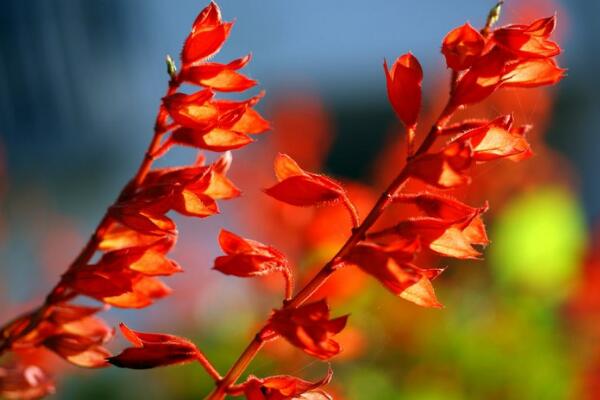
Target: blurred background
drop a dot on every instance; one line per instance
(80, 82)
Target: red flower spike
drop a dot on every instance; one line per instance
(528, 41)
(404, 88)
(282, 387)
(207, 36)
(221, 77)
(462, 46)
(300, 188)
(392, 266)
(309, 328)
(445, 169)
(153, 350)
(24, 383)
(496, 140)
(247, 258)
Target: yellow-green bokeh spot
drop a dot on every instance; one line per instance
(538, 240)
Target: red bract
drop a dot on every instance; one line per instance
(481, 80)
(246, 258)
(448, 238)
(194, 111)
(462, 46)
(73, 333)
(208, 34)
(392, 266)
(309, 328)
(404, 87)
(285, 387)
(446, 169)
(449, 209)
(300, 188)
(513, 56)
(533, 73)
(153, 350)
(528, 40)
(497, 139)
(221, 77)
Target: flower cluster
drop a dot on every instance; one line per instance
(136, 234)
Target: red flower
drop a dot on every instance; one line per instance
(153, 350)
(24, 382)
(497, 139)
(517, 56)
(309, 328)
(73, 333)
(392, 266)
(404, 88)
(221, 77)
(246, 258)
(446, 169)
(528, 41)
(300, 188)
(208, 34)
(462, 46)
(282, 387)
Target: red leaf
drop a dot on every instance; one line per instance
(300, 188)
(462, 46)
(309, 328)
(153, 350)
(404, 87)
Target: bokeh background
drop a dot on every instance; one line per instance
(80, 83)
